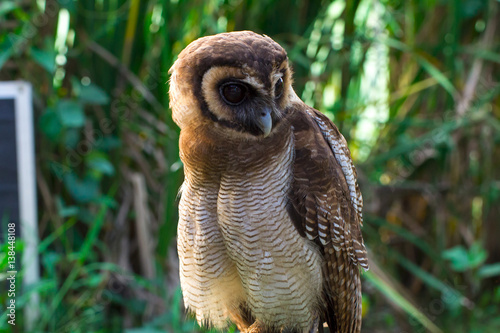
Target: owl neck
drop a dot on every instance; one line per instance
(207, 155)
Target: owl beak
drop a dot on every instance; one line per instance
(265, 122)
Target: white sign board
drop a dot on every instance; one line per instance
(18, 206)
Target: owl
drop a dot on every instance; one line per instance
(270, 210)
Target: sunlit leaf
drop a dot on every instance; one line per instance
(99, 162)
(489, 270)
(462, 259)
(458, 258)
(7, 6)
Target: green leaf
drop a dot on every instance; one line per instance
(50, 124)
(438, 76)
(82, 190)
(110, 142)
(462, 260)
(44, 59)
(5, 53)
(58, 169)
(143, 330)
(108, 201)
(70, 113)
(458, 258)
(72, 137)
(99, 162)
(65, 211)
(91, 281)
(471, 8)
(71, 6)
(426, 65)
(451, 296)
(92, 94)
(17, 42)
(50, 261)
(90, 240)
(7, 6)
(477, 255)
(481, 53)
(396, 297)
(489, 270)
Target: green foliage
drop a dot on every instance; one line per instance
(462, 260)
(412, 85)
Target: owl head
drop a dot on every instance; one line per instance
(239, 83)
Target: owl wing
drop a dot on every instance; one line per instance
(326, 207)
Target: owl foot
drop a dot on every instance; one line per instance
(256, 327)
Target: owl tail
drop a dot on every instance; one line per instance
(343, 297)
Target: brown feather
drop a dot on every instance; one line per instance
(321, 196)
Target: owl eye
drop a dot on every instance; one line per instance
(233, 93)
(278, 88)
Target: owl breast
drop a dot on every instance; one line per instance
(279, 270)
(238, 245)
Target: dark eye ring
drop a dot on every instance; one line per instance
(278, 88)
(233, 93)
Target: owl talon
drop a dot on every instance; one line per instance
(256, 327)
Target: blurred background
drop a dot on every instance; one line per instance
(413, 85)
